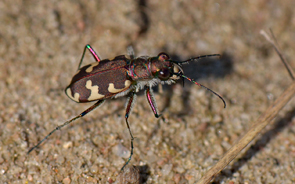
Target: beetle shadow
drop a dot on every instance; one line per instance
(145, 20)
(209, 67)
(134, 174)
(259, 145)
(144, 173)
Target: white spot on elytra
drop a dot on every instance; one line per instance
(94, 95)
(90, 68)
(75, 97)
(112, 88)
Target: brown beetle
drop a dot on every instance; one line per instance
(123, 76)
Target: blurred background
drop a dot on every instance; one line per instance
(41, 43)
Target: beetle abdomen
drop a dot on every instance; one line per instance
(99, 80)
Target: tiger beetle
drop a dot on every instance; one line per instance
(123, 76)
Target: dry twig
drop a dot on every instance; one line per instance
(258, 126)
(291, 72)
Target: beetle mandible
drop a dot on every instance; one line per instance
(122, 76)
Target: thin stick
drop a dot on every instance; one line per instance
(290, 71)
(262, 121)
(259, 125)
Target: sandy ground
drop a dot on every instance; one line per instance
(41, 43)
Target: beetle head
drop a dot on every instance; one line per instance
(176, 72)
(163, 68)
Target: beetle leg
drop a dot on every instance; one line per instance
(91, 50)
(128, 110)
(130, 52)
(98, 103)
(152, 102)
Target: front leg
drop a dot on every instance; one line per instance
(152, 102)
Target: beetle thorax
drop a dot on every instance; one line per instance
(140, 69)
(148, 71)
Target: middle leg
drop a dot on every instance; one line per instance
(130, 103)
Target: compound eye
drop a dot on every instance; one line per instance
(164, 74)
(163, 56)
